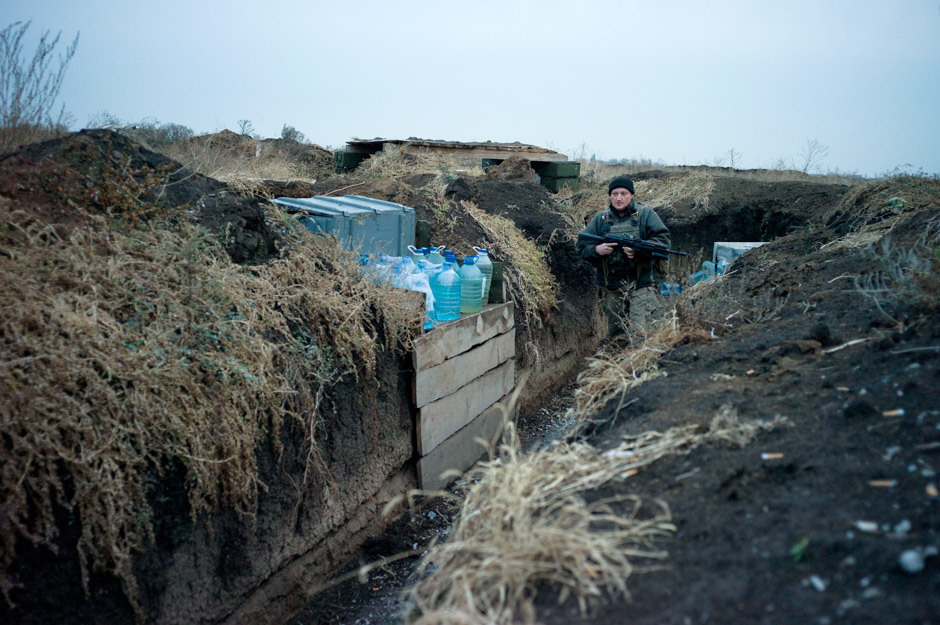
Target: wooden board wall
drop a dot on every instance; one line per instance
(462, 370)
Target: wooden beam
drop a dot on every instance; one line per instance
(439, 419)
(445, 378)
(455, 337)
(461, 450)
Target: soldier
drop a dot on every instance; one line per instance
(629, 281)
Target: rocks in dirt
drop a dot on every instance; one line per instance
(822, 333)
(914, 560)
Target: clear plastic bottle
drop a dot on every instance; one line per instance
(486, 268)
(445, 285)
(471, 286)
(434, 255)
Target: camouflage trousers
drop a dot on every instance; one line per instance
(628, 310)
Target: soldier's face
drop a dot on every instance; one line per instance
(620, 199)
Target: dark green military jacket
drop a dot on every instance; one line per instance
(616, 271)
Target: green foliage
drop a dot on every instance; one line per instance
(289, 132)
(798, 550)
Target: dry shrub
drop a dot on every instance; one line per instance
(527, 276)
(611, 375)
(869, 211)
(906, 275)
(133, 349)
(527, 526)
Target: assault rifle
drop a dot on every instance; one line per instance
(645, 248)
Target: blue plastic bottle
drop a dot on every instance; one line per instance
(486, 268)
(446, 288)
(471, 286)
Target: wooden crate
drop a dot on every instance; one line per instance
(464, 375)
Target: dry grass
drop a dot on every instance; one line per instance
(228, 163)
(131, 349)
(397, 161)
(525, 522)
(695, 186)
(527, 526)
(599, 172)
(527, 276)
(611, 375)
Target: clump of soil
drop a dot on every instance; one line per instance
(109, 172)
(513, 169)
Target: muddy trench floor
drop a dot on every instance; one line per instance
(378, 600)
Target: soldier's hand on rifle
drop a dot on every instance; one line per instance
(629, 252)
(605, 249)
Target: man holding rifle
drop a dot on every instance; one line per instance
(628, 272)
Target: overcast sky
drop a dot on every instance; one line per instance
(680, 82)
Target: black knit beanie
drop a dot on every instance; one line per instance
(620, 181)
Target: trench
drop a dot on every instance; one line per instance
(229, 570)
(379, 599)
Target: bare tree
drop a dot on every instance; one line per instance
(245, 128)
(733, 156)
(29, 88)
(813, 155)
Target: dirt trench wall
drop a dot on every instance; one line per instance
(257, 572)
(241, 569)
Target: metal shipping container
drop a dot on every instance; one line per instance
(365, 224)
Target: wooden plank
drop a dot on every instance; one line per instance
(461, 450)
(455, 337)
(447, 377)
(441, 418)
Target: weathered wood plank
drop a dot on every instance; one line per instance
(441, 418)
(461, 450)
(456, 337)
(445, 378)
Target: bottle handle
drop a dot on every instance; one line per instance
(412, 249)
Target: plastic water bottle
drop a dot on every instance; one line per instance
(471, 286)
(445, 285)
(709, 268)
(486, 268)
(722, 267)
(434, 255)
(670, 288)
